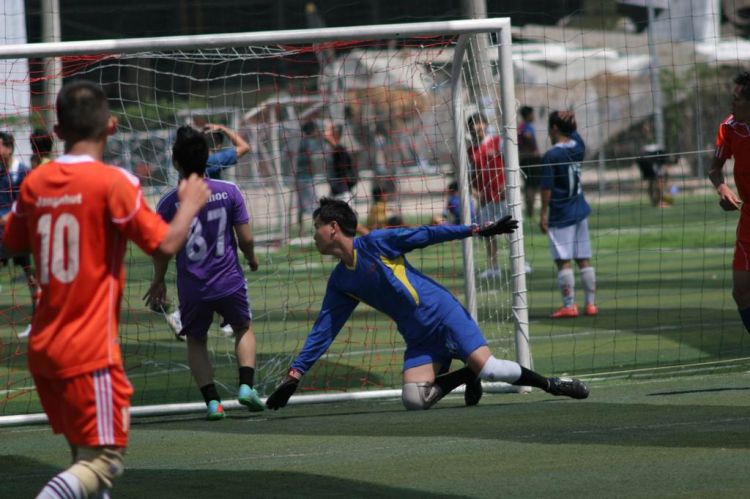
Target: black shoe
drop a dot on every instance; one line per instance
(473, 393)
(569, 387)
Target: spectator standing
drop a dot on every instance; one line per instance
(341, 168)
(529, 158)
(488, 179)
(221, 159)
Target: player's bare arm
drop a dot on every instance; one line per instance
(193, 194)
(728, 200)
(246, 244)
(544, 215)
(240, 146)
(157, 292)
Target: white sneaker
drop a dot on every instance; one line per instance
(175, 323)
(228, 331)
(25, 333)
(490, 273)
(528, 269)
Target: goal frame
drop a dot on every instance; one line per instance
(464, 30)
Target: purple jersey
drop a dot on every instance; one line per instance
(207, 266)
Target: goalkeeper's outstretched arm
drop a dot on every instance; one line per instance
(406, 240)
(337, 307)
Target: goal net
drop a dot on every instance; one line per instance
(392, 101)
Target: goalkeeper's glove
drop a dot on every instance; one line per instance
(505, 225)
(280, 396)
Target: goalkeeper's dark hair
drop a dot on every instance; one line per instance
(190, 151)
(331, 210)
(564, 121)
(82, 111)
(743, 81)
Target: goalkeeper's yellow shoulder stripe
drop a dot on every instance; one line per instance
(399, 270)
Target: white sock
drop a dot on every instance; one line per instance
(588, 278)
(500, 370)
(567, 282)
(62, 486)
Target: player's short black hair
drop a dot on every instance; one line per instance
(743, 81)
(8, 141)
(565, 121)
(41, 142)
(474, 119)
(190, 151)
(526, 111)
(453, 186)
(82, 111)
(336, 210)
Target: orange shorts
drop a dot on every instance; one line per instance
(92, 409)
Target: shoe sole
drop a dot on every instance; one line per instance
(216, 417)
(253, 405)
(473, 396)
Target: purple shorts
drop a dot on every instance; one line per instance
(197, 316)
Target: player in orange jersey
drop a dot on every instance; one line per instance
(734, 140)
(76, 214)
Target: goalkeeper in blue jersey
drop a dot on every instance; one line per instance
(434, 325)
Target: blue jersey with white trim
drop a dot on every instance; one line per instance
(562, 174)
(382, 278)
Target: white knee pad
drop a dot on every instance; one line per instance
(420, 396)
(500, 370)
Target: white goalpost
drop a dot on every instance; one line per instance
(402, 95)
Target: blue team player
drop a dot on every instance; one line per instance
(209, 274)
(436, 328)
(565, 211)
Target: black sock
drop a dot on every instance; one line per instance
(246, 376)
(530, 378)
(449, 382)
(210, 393)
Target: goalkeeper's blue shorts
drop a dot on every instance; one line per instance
(456, 338)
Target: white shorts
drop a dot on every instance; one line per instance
(492, 212)
(571, 242)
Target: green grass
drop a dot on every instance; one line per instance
(663, 438)
(664, 294)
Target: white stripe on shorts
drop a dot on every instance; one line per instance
(104, 415)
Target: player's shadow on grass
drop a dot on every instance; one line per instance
(687, 392)
(22, 476)
(181, 483)
(553, 421)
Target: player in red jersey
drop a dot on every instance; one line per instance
(488, 178)
(76, 214)
(733, 139)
